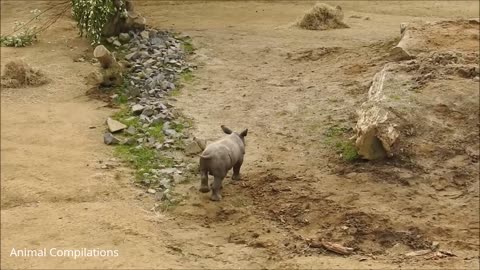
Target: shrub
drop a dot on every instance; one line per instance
(93, 15)
(24, 38)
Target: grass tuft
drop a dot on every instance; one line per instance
(336, 137)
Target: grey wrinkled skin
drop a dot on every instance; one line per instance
(219, 157)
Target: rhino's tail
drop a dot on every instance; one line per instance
(205, 156)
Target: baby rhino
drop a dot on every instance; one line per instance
(219, 157)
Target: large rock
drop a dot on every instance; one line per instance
(421, 37)
(377, 126)
(426, 105)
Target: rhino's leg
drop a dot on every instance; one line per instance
(236, 170)
(216, 187)
(204, 182)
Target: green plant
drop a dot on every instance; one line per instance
(24, 38)
(335, 137)
(122, 93)
(187, 45)
(93, 15)
(347, 150)
(156, 131)
(186, 76)
(141, 158)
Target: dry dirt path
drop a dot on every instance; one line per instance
(256, 72)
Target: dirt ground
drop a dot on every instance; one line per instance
(255, 70)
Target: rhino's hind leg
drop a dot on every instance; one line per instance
(216, 187)
(204, 182)
(236, 170)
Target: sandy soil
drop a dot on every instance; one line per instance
(255, 71)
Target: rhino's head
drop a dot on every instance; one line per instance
(241, 135)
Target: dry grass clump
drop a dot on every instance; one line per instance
(323, 17)
(18, 74)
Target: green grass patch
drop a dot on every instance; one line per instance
(187, 45)
(336, 137)
(125, 116)
(142, 159)
(348, 150)
(186, 76)
(122, 92)
(178, 126)
(157, 132)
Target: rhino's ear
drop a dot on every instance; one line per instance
(244, 133)
(226, 130)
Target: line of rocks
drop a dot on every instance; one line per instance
(154, 60)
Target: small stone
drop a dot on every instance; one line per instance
(109, 139)
(149, 62)
(151, 191)
(157, 119)
(132, 56)
(164, 85)
(476, 79)
(145, 34)
(170, 141)
(137, 109)
(131, 130)
(156, 41)
(148, 112)
(114, 125)
(418, 253)
(170, 133)
(143, 55)
(168, 170)
(165, 183)
(130, 141)
(80, 59)
(124, 37)
(202, 143)
(117, 43)
(166, 195)
(148, 71)
(151, 140)
(141, 75)
(177, 178)
(111, 40)
(192, 148)
(166, 146)
(191, 167)
(144, 119)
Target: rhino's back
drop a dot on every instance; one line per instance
(225, 148)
